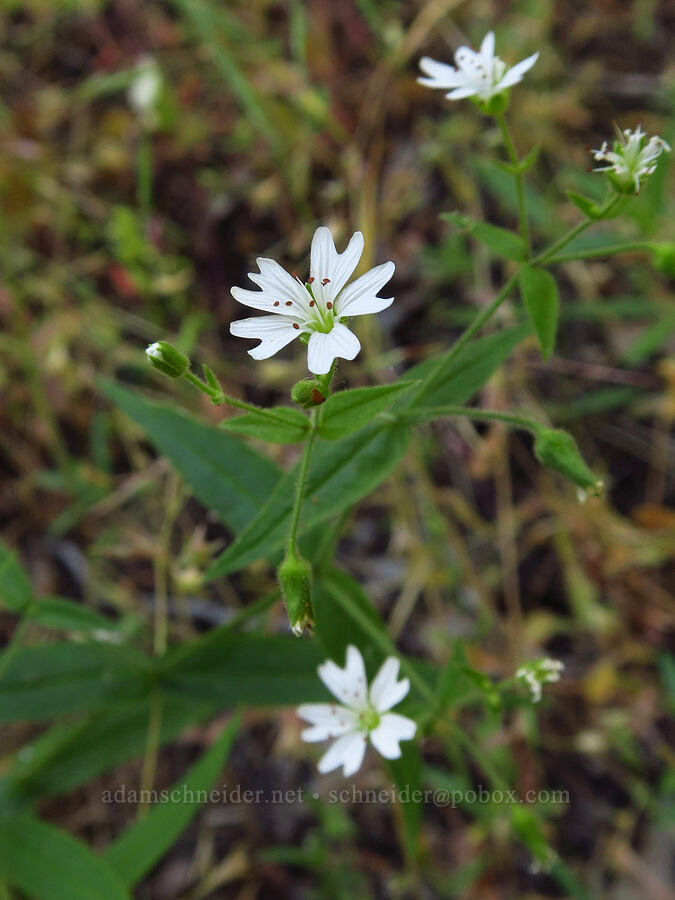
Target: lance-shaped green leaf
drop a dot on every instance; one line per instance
(142, 845)
(68, 755)
(340, 474)
(47, 864)
(54, 679)
(65, 615)
(280, 425)
(499, 240)
(16, 593)
(233, 669)
(349, 411)
(459, 379)
(539, 291)
(226, 475)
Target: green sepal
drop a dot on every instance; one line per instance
(295, 581)
(556, 449)
(167, 360)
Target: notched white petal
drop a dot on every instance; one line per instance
(323, 348)
(360, 297)
(347, 751)
(388, 734)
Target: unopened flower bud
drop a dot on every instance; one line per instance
(295, 581)
(557, 449)
(306, 393)
(167, 359)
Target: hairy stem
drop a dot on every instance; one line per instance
(300, 487)
(518, 178)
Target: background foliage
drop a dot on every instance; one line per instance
(278, 117)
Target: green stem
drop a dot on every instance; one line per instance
(464, 339)
(480, 757)
(551, 251)
(300, 487)
(382, 638)
(439, 412)
(14, 643)
(518, 178)
(218, 397)
(596, 252)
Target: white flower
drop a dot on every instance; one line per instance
(479, 74)
(316, 308)
(632, 157)
(362, 713)
(145, 89)
(542, 671)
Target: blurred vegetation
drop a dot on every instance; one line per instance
(277, 117)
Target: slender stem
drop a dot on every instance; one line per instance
(518, 178)
(382, 638)
(551, 251)
(439, 412)
(481, 758)
(300, 487)
(596, 252)
(219, 398)
(464, 338)
(14, 643)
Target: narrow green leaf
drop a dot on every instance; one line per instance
(57, 612)
(334, 628)
(499, 240)
(55, 679)
(407, 774)
(67, 755)
(226, 475)
(48, 864)
(587, 206)
(233, 669)
(288, 426)
(539, 291)
(16, 592)
(340, 474)
(459, 380)
(349, 411)
(142, 845)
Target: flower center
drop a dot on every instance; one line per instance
(369, 719)
(321, 316)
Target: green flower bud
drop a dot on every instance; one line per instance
(556, 449)
(493, 106)
(306, 393)
(295, 581)
(167, 359)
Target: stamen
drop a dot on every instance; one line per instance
(296, 326)
(325, 281)
(329, 305)
(311, 303)
(310, 280)
(276, 302)
(289, 303)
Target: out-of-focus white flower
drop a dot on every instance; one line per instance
(362, 714)
(631, 158)
(481, 75)
(145, 90)
(317, 307)
(540, 672)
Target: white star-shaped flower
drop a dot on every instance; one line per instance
(632, 157)
(316, 308)
(538, 673)
(145, 90)
(362, 714)
(479, 74)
